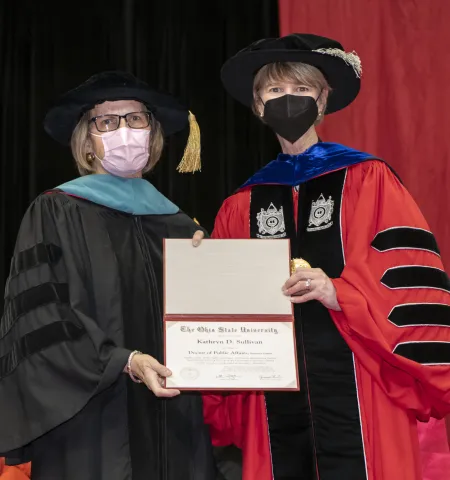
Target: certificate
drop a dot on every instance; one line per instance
(227, 324)
(242, 355)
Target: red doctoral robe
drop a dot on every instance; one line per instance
(395, 319)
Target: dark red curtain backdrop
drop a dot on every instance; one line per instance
(403, 111)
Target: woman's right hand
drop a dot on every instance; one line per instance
(152, 373)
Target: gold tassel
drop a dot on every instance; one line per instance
(191, 161)
(196, 221)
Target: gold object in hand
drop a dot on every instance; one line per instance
(298, 263)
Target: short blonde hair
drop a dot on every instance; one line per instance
(80, 139)
(294, 72)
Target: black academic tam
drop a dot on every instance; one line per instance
(86, 289)
(341, 69)
(63, 117)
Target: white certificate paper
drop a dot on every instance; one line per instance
(231, 355)
(227, 324)
(226, 277)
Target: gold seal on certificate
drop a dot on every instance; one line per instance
(298, 263)
(227, 324)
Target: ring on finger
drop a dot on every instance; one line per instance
(308, 284)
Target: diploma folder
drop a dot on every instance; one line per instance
(227, 324)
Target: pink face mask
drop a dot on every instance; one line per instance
(126, 151)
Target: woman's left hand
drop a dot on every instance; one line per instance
(197, 238)
(308, 284)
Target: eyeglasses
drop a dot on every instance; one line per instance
(109, 123)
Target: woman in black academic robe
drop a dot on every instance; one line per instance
(84, 298)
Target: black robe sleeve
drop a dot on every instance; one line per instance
(54, 357)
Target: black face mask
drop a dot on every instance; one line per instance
(291, 116)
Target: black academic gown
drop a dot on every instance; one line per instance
(86, 289)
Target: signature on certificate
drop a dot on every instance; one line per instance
(228, 376)
(270, 377)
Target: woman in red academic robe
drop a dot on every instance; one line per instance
(372, 314)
